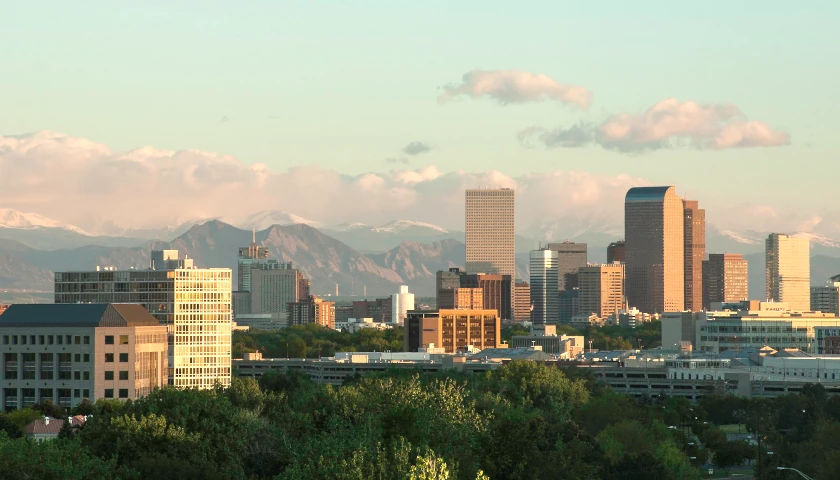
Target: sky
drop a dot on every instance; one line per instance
(734, 103)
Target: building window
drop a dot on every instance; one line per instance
(87, 358)
(109, 339)
(109, 358)
(123, 374)
(76, 393)
(5, 339)
(32, 339)
(109, 375)
(60, 339)
(87, 340)
(85, 375)
(77, 358)
(23, 339)
(50, 339)
(68, 339)
(77, 375)
(123, 393)
(123, 357)
(40, 339)
(109, 393)
(123, 339)
(86, 393)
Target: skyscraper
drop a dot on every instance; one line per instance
(788, 271)
(266, 285)
(497, 291)
(521, 301)
(571, 256)
(445, 284)
(544, 286)
(195, 304)
(654, 243)
(725, 279)
(489, 231)
(694, 226)
(615, 252)
(601, 289)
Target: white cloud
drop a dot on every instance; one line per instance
(84, 183)
(667, 124)
(515, 86)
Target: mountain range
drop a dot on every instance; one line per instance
(353, 257)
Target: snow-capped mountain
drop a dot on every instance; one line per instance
(402, 226)
(28, 221)
(267, 218)
(350, 227)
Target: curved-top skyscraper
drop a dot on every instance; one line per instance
(654, 249)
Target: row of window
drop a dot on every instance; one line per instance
(123, 375)
(109, 358)
(45, 375)
(109, 339)
(109, 393)
(46, 340)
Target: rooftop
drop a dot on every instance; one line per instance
(77, 315)
(646, 194)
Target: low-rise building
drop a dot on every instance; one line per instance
(68, 352)
(452, 330)
(545, 337)
(48, 428)
(353, 325)
(262, 321)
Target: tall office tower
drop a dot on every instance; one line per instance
(725, 279)
(568, 305)
(655, 262)
(489, 231)
(694, 227)
(311, 310)
(571, 256)
(615, 252)
(521, 302)
(401, 303)
(601, 289)
(544, 286)
(248, 257)
(826, 298)
(788, 271)
(445, 283)
(497, 291)
(194, 303)
(266, 286)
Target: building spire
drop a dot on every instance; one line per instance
(254, 235)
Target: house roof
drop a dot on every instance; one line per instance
(77, 315)
(53, 426)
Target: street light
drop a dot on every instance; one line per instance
(806, 477)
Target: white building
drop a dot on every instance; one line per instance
(545, 285)
(788, 271)
(401, 303)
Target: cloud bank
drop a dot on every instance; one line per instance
(85, 183)
(515, 86)
(668, 124)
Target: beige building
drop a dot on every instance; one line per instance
(489, 231)
(601, 289)
(521, 301)
(694, 228)
(467, 298)
(194, 303)
(66, 353)
(788, 271)
(452, 330)
(654, 249)
(725, 279)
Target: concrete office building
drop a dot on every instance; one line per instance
(725, 279)
(379, 309)
(489, 231)
(568, 305)
(496, 291)
(788, 271)
(654, 238)
(826, 298)
(615, 252)
(401, 303)
(266, 286)
(312, 310)
(694, 227)
(545, 336)
(467, 299)
(521, 302)
(452, 330)
(544, 286)
(571, 256)
(194, 303)
(601, 289)
(66, 353)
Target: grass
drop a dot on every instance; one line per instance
(732, 428)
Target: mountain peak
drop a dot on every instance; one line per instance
(25, 221)
(267, 218)
(399, 226)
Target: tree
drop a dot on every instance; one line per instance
(429, 467)
(731, 454)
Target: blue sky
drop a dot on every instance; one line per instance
(345, 85)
